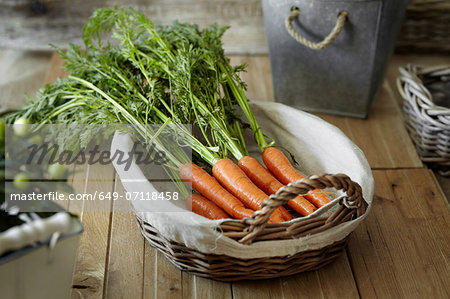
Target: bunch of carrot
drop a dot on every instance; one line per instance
(237, 191)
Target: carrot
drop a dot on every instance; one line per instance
(283, 170)
(239, 184)
(204, 207)
(270, 185)
(212, 190)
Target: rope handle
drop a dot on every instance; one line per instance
(353, 200)
(295, 12)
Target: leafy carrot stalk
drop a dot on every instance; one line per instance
(270, 185)
(239, 184)
(204, 207)
(212, 190)
(283, 170)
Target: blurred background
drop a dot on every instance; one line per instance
(28, 27)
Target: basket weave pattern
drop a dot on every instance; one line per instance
(427, 123)
(256, 229)
(425, 28)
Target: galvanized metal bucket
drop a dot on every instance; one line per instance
(330, 56)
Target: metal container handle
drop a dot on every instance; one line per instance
(295, 12)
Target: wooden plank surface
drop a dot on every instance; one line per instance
(198, 288)
(262, 289)
(315, 284)
(382, 132)
(168, 279)
(150, 274)
(400, 251)
(93, 250)
(126, 251)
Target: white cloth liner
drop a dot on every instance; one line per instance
(318, 147)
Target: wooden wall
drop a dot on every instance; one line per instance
(33, 24)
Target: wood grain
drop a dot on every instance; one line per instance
(126, 251)
(168, 282)
(316, 284)
(150, 274)
(338, 271)
(93, 251)
(161, 278)
(35, 25)
(258, 76)
(382, 137)
(322, 283)
(401, 250)
(198, 288)
(260, 289)
(55, 69)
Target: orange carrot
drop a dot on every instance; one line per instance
(283, 170)
(270, 185)
(212, 190)
(204, 207)
(239, 184)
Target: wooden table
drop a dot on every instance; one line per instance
(400, 251)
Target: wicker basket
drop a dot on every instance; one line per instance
(425, 28)
(255, 229)
(426, 94)
(231, 249)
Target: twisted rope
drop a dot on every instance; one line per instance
(342, 17)
(353, 200)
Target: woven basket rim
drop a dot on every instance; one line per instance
(347, 207)
(222, 267)
(427, 123)
(412, 71)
